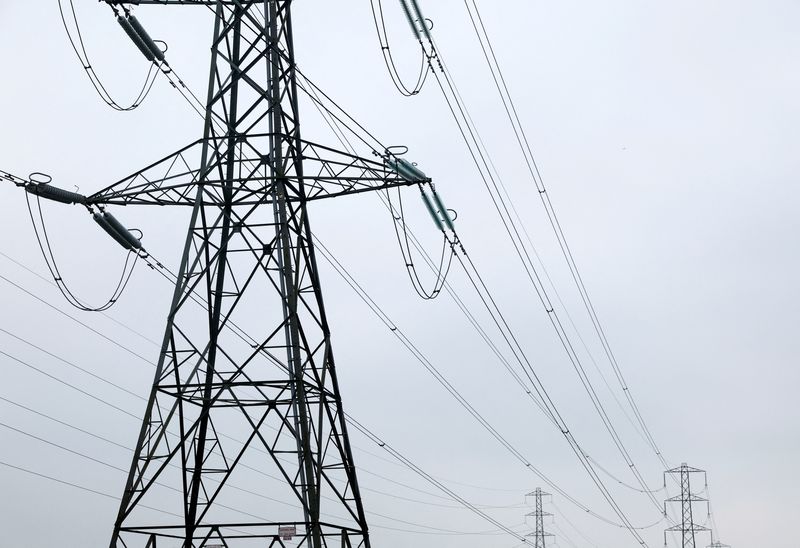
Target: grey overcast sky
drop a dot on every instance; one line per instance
(667, 134)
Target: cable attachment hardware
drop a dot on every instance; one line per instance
(116, 230)
(431, 209)
(11, 178)
(410, 18)
(443, 211)
(44, 189)
(439, 213)
(406, 170)
(136, 32)
(422, 21)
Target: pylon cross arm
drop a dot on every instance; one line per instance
(691, 527)
(689, 498)
(183, 2)
(174, 181)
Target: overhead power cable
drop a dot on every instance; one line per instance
(114, 467)
(43, 239)
(623, 483)
(468, 132)
(56, 309)
(76, 41)
(401, 233)
(551, 410)
(522, 139)
(524, 386)
(100, 377)
(388, 57)
(50, 281)
(516, 352)
(430, 479)
(425, 362)
(105, 402)
(117, 386)
(589, 542)
(76, 486)
(712, 514)
(338, 119)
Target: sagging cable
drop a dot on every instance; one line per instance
(445, 259)
(123, 236)
(411, 173)
(386, 51)
(72, 28)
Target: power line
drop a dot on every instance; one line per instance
(109, 441)
(388, 58)
(515, 351)
(522, 140)
(398, 333)
(359, 290)
(93, 330)
(75, 485)
(430, 479)
(337, 265)
(290, 52)
(43, 239)
(468, 134)
(80, 51)
(124, 411)
(314, 90)
(116, 386)
(344, 274)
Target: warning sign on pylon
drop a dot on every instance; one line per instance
(286, 532)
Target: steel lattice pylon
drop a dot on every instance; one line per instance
(539, 534)
(247, 382)
(687, 527)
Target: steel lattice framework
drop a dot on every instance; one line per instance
(687, 527)
(256, 359)
(539, 534)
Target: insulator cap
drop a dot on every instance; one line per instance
(51, 192)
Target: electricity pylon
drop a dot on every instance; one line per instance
(687, 527)
(539, 534)
(245, 401)
(718, 544)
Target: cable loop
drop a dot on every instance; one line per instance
(40, 178)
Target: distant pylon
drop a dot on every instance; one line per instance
(687, 527)
(718, 544)
(539, 534)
